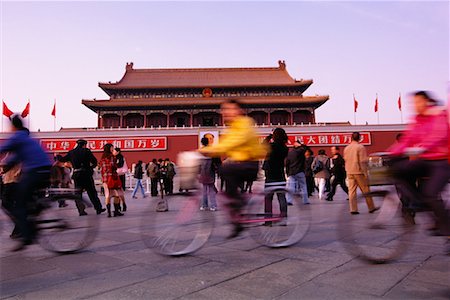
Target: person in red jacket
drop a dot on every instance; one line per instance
(426, 142)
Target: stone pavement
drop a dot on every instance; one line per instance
(119, 266)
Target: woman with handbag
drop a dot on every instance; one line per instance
(111, 181)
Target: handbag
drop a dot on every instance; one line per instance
(124, 169)
(114, 182)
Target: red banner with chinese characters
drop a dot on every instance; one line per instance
(96, 144)
(327, 139)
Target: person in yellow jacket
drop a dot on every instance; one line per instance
(241, 145)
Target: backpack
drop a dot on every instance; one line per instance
(317, 166)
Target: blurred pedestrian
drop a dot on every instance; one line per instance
(337, 170)
(83, 163)
(138, 175)
(321, 170)
(153, 173)
(356, 160)
(309, 158)
(274, 171)
(111, 181)
(207, 178)
(170, 174)
(122, 167)
(295, 170)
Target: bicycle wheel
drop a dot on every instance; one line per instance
(61, 228)
(271, 229)
(378, 237)
(182, 230)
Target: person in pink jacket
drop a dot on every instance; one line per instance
(425, 141)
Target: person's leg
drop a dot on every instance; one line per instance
(332, 192)
(116, 194)
(268, 210)
(204, 203)
(79, 184)
(322, 183)
(291, 186)
(283, 204)
(363, 185)
(136, 185)
(212, 191)
(352, 193)
(122, 179)
(343, 184)
(439, 175)
(142, 188)
(303, 189)
(92, 193)
(107, 199)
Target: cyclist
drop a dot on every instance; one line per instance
(240, 144)
(428, 137)
(35, 174)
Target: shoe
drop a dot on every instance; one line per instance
(134, 197)
(117, 212)
(307, 203)
(329, 199)
(203, 208)
(354, 213)
(213, 208)
(108, 207)
(83, 213)
(101, 210)
(124, 207)
(22, 245)
(373, 210)
(236, 231)
(290, 204)
(283, 222)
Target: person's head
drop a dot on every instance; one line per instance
(160, 160)
(154, 161)
(107, 150)
(308, 153)
(167, 160)
(204, 142)
(139, 162)
(334, 150)
(210, 138)
(81, 143)
(230, 110)
(422, 101)
(116, 151)
(17, 123)
(297, 144)
(398, 137)
(280, 136)
(356, 136)
(321, 152)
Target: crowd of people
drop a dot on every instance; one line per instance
(27, 168)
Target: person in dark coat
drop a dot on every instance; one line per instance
(337, 170)
(83, 162)
(309, 158)
(138, 174)
(295, 170)
(274, 170)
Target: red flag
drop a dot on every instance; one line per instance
(54, 110)
(376, 105)
(355, 103)
(399, 103)
(26, 111)
(6, 111)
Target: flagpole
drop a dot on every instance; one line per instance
(378, 111)
(29, 116)
(3, 104)
(401, 109)
(354, 110)
(54, 117)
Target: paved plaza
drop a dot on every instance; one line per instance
(119, 266)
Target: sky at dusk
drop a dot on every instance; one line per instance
(61, 50)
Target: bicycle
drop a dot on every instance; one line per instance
(382, 236)
(59, 227)
(185, 228)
